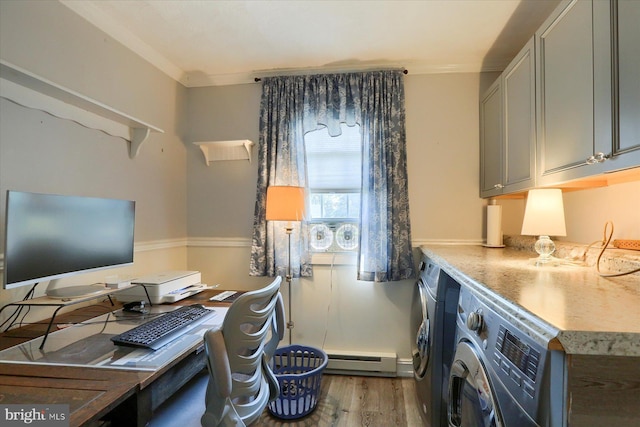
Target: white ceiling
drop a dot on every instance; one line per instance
(211, 42)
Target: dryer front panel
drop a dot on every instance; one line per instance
(471, 399)
(477, 397)
(420, 330)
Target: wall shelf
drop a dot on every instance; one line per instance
(32, 91)
(225, 150)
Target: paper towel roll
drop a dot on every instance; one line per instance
(494, 225)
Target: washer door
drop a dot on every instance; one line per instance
(420, 330)
(471, 399)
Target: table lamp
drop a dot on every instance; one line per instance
(544, 217)
(286, 203)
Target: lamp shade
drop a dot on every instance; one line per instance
(544, 213)
(285, 203)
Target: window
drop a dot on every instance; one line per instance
(333, 205)
(307, 102)
(334, 166)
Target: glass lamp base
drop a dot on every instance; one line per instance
(545, 248)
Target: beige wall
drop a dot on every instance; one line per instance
(443, 149)
(587, 211)
(41, 153)
(221, 195)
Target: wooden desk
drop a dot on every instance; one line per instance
(95, 393)
(90, 393)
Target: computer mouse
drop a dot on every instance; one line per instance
(139, 307)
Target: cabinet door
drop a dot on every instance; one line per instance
(566, 94)
(518, 88)
(626, 84)
(491, 141)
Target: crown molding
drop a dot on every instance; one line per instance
(202, 80)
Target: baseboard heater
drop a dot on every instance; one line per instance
(361, 363)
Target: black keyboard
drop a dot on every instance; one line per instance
(164, 329)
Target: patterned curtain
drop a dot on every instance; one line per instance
(281, 162)
(294, 105)
(385, 228)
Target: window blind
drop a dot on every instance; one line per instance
(334, 163)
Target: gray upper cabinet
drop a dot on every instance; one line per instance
(518, 88)
(588, 90)
(507, 128)
(565, 86)
(568, 106)
(491, 141)
(625, 30)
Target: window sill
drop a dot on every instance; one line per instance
(334, 258)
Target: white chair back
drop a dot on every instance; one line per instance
(241, 382)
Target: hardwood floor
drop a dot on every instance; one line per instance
(352, 401)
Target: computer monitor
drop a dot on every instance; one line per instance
(50, 236)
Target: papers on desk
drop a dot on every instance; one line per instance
(226, 296)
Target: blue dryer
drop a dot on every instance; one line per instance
(435, 297)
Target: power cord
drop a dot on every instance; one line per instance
(326, 325)
(604, 244)
(13, 317)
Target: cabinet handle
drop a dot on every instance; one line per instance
(597, 158)
(498, 186)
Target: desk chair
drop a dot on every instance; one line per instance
(238, 354)
(239, 382)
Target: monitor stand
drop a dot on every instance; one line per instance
(70, 292)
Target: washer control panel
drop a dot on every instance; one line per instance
(517, 359)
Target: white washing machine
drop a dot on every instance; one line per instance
(435, 297)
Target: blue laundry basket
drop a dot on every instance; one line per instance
(299, 373)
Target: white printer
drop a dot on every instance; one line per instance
(165, 287)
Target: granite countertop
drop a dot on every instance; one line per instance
(569, 307)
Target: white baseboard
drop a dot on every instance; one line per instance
(404, 368)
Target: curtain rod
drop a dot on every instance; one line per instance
(259, 79)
